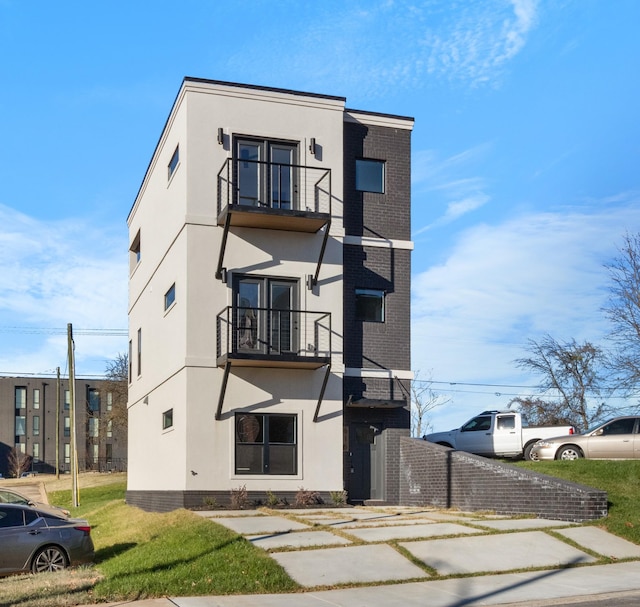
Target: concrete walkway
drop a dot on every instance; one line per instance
(425, 557)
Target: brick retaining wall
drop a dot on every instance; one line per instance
(438, 476)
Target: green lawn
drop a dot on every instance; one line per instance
(141, 554)
(621, 481)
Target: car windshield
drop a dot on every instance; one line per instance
(599, 425)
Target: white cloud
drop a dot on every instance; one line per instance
(54, 273)
(449, 178)
(504, 284)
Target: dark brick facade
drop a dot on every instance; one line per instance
(437, 476)
(41, 404)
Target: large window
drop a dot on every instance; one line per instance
(370, 305)
(20, 397)
(266, 444)
(93, 400)
(370, 176)
(265, 315)
(266, 173)
(21, 425)
(94, 427)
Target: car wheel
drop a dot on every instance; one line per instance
(49, 558)
(569, 452)
(528, 456)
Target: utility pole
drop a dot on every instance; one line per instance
(58, 423)
(72, 405)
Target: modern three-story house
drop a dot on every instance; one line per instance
(269, 300)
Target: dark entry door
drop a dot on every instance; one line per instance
(366, 480)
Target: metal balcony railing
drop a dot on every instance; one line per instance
(272, 186)
(255, 336)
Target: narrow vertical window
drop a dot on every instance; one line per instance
(134, 252)
(167, 419)
(170, 296)
(93, 400)
(36, 425)
(36, 398)
(139, 351)
(36, 451)
(173, 163)
(109, 401)
(67, 399)
(67, 426)
(130, 360)
(67, 453)
(20, 397)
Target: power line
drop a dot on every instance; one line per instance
(63, 331)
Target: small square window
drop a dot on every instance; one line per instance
(370, 305)
(173, 163)
(370, 176)
(167, 419)
(170, 296)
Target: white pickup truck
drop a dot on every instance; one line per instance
(497, 434)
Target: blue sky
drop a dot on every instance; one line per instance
(525, 159)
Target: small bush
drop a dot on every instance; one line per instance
(211, 503)
(239, 498)
(273, 501)
(338, 498)
(305, 498)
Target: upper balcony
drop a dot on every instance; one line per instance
(274, 196)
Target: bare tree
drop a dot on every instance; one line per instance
(424, 399)
(623, 311)
(574, 374)
(117, 374)
(18, 462)
(542, 412)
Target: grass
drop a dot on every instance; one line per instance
(145, 555)
(621, 481)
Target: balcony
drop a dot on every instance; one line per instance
(268, 337)
(273, 196)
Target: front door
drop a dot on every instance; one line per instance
(366, 454)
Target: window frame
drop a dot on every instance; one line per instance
(265, 447)
(379, 317)
(174, 163)
(363, 181)
(170, 297)
(167, 419)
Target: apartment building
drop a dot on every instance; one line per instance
(269, 300)
(35, 418)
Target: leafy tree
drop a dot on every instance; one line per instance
(574, 373)
(623, 311)
(18, 462)
(424, 399)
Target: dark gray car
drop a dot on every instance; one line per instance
(35, 540)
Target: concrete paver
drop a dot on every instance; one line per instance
(602, 542)
(382, 534)
(329, 566)
(297, 539)
(522, 523)
(504, 552)
(254, 525)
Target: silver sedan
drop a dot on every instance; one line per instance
(617, 438)
(35, 540)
